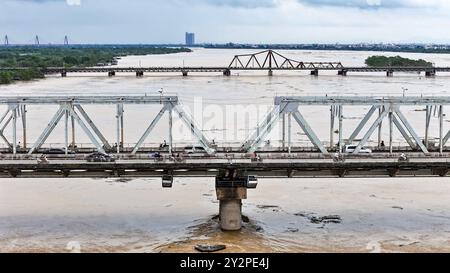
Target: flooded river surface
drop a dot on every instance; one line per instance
(284, 215)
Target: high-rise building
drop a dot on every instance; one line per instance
(190, 39)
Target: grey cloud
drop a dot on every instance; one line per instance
(364, 4)
(229, 3)
(235, 3)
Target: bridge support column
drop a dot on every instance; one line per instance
(185, 73)
(315, 72)
(111, 73)
(389, 73)
(227, 72)
(430, 73)
(441, 130)
(230, 207)
(341, 128)
(139, 73)
(64, 74)
(332, 122)
(342, 73)
(73, 145)
(391, 131)
(270, 73)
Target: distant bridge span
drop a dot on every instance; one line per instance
(267, 60)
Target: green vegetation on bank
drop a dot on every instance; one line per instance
(397, 61)
(36, 58)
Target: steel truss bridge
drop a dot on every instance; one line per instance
(267, 60)
(236, 170)
(287, 110)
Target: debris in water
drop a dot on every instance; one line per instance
(274, 208)
(330, 219)
(293, 230)
(210, 248)
(259, 228)
(397, 207)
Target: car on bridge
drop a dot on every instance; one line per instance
(99, 157)
(350, 149)
(194, 150)
(57, 151)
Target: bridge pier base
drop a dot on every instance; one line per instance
(185, 73)
(430, 73)
(230, 207)
(270, 73)
(342, 73)
(315, 72)
(64, 74)
(227, 72)
(139, 73)
(389, 73)
(111, 73)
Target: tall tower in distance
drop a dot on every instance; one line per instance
(6, 40)
(36, 40)
(66, 40)
(190, 39)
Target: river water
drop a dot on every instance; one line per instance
(138, 216)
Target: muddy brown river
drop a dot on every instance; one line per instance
(285, 215)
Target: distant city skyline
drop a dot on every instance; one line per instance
(223, 21)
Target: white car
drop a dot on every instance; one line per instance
(349, 149)
(195, 150)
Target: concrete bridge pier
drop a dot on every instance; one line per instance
(270, 73)
(390, 73)
(111, 73)
(230, 207)
(64, 74)
(315, 72)
(227, 72)
(139, 73)
(342, 72)
(430, 73)
(185, 73)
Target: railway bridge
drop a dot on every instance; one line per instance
(235, 169)
(267, 61)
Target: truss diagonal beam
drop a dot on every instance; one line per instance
(446, 138)
(370, 132)
(362, 124)
(258, 136)
(309, 132)
(149, 129)
(85, 129)
(48, 130)
(403, 132)
(411, 130)
(92, 125)
(254, 144)
(189, 122)
(2, 130)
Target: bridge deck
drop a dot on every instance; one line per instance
(269, 168)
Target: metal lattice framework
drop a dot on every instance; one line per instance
(71, 108)
(270, 59)
(389, 108)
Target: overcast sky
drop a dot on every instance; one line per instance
(219, 21)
